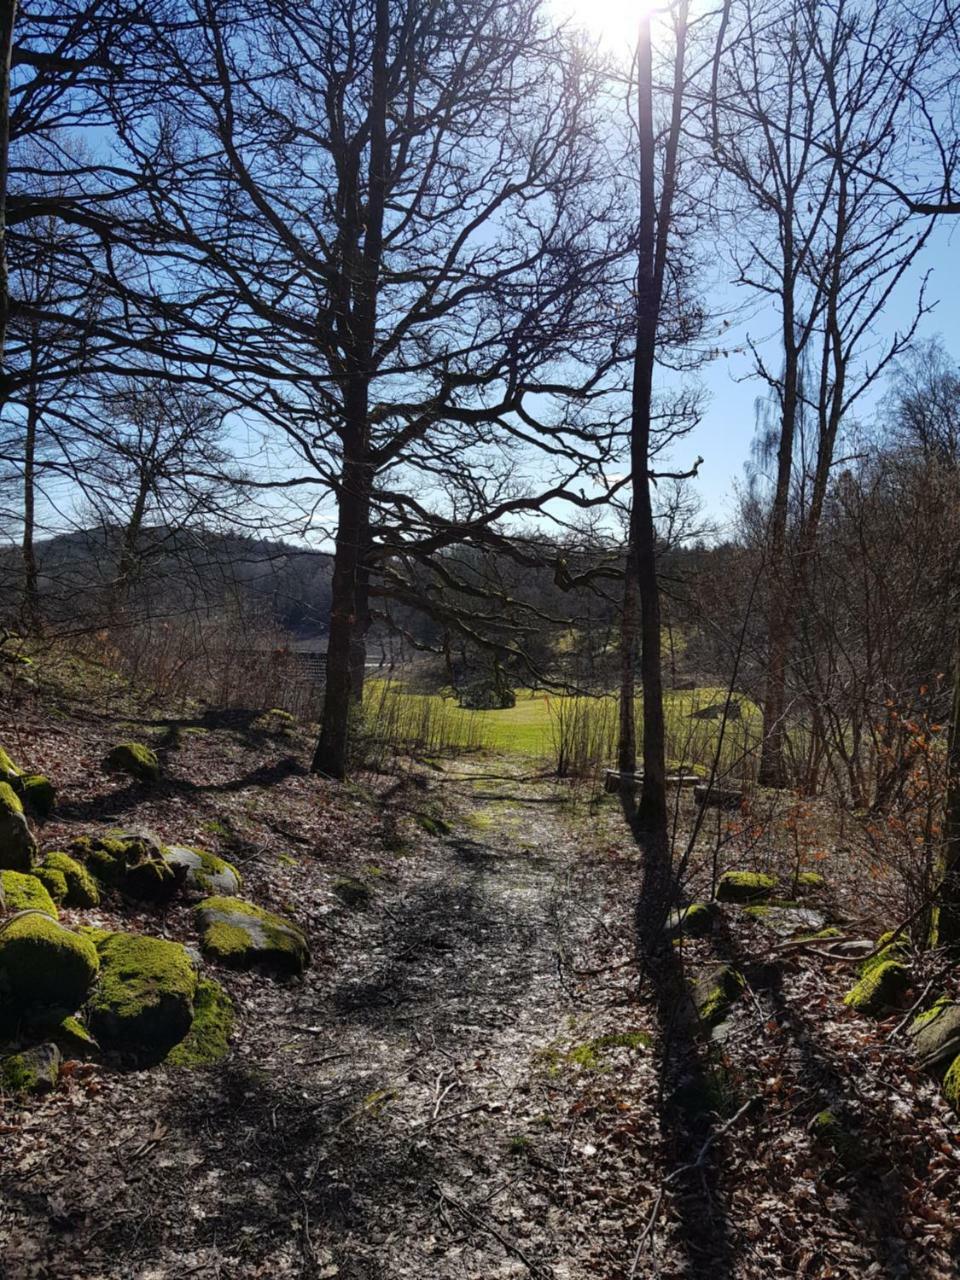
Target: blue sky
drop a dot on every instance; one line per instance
(723, 437)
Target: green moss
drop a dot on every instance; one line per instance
(74, 1038)
(55, 882)
(216, 828)
(9, 772)
(951, 1084)
(811, 880)
(239, 934)
(136, 760)
(930, 1015)
(352, 892)
(34, 1070)
(831, 931)
(17, 1074)
(39, 794)
(518, 1144)
(133, 864)
(144, 1000)
(888, 950)
(208, 1039)
(880, 989)
(9, 800)
(715, 992)
(286, 860)
(202, 878)
(695, 920)
(81, 888)
(589, 1056)
(42, 963)
(433, 826)
(745, 886)
(756, 913)
(27, 893)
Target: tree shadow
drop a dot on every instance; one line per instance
(137, 793)
(858, 1157)
(690, 1100)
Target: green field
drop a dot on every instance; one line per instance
(541, 723)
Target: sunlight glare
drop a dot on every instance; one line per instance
(614, 22)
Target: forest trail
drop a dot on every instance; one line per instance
(468, 1084)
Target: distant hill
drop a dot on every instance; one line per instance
(174, 570)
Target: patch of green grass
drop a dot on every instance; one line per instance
(530, 727)
(589, 1056)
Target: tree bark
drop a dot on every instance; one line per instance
(8, 18)
(947, 926)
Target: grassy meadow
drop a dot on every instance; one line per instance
(577, 733)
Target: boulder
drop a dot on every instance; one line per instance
(880, 990)
(717, 711)
(208, 1039)
(951, 1084)
(203, 872)
(131, 861)
(936, 1034)
(787, 921)
(26, 893)
(38, 794)
(241, 935)
(714, 993)
(143, 1003)
(8, 770)
(17, 845)
(811, 881)
(68, 881)
(32, 1071)
(745, 886)
(44, 965)
(695, 920)
(135, 759)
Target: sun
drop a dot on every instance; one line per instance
(614, 22)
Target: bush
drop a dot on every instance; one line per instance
(487, 694)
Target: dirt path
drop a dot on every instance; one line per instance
(391, 1116)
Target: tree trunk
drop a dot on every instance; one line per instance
(627, 742)
(31, 577)
(641, 585)
(339, 699)
(8, 17)
(947, 926)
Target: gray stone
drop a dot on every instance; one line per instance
(241, 935)
(32, 1071)
(786, 921)
(17, 845)
(203, 872)
(936, 1035)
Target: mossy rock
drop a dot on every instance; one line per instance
(786, 922)
(43, 964)
(936, 1034)
(18, 848)
(240, 935)
(9, 772)
(39, 794)
(951, 1084)
(811, 880)
(135, 759)
(745, 886)
(715, 992)
(203, 872)
(208, 1039)
(695, 920)
(26, 893)
(879, 991)
(33, 1070)
(275, 721)
(68, 881)
(352, 892)
(887, 949)
(132, 862)
(143, 1003)
(74, 1039)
